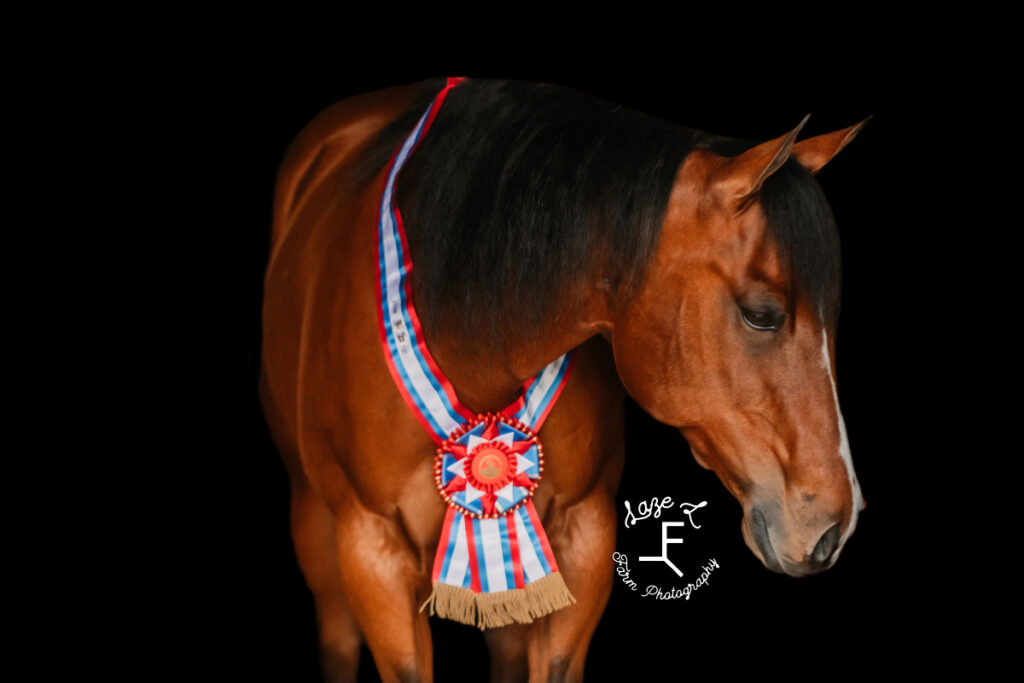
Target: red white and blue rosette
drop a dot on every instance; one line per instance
(489, 467)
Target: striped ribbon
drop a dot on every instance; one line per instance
(494, 565)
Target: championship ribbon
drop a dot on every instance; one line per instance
(494, 565)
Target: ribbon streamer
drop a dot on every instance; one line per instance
(494, 565)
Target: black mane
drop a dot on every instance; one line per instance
(519, 189)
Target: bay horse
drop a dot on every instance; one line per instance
(697, 273)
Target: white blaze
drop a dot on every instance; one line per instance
(844, 444)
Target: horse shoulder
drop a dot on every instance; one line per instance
(325, 387)
(583, 438)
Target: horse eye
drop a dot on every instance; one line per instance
(763, 321)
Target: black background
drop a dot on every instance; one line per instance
(888, 596)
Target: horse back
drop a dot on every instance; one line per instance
(336, 137)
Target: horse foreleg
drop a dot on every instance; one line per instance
(507, 649)
(385, 587)
(555, 648)
(313, 534)
(583, 540)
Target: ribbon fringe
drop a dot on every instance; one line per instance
(494, 610)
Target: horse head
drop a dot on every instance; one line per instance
(730, 337)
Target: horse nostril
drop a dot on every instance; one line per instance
(764, 543)
(826, 546)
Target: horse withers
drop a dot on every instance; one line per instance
(697, 273)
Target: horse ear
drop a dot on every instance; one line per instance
(737, 179)
(813, 153)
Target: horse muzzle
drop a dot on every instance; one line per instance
(760, 533)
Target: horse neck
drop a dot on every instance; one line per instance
(487, 379)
